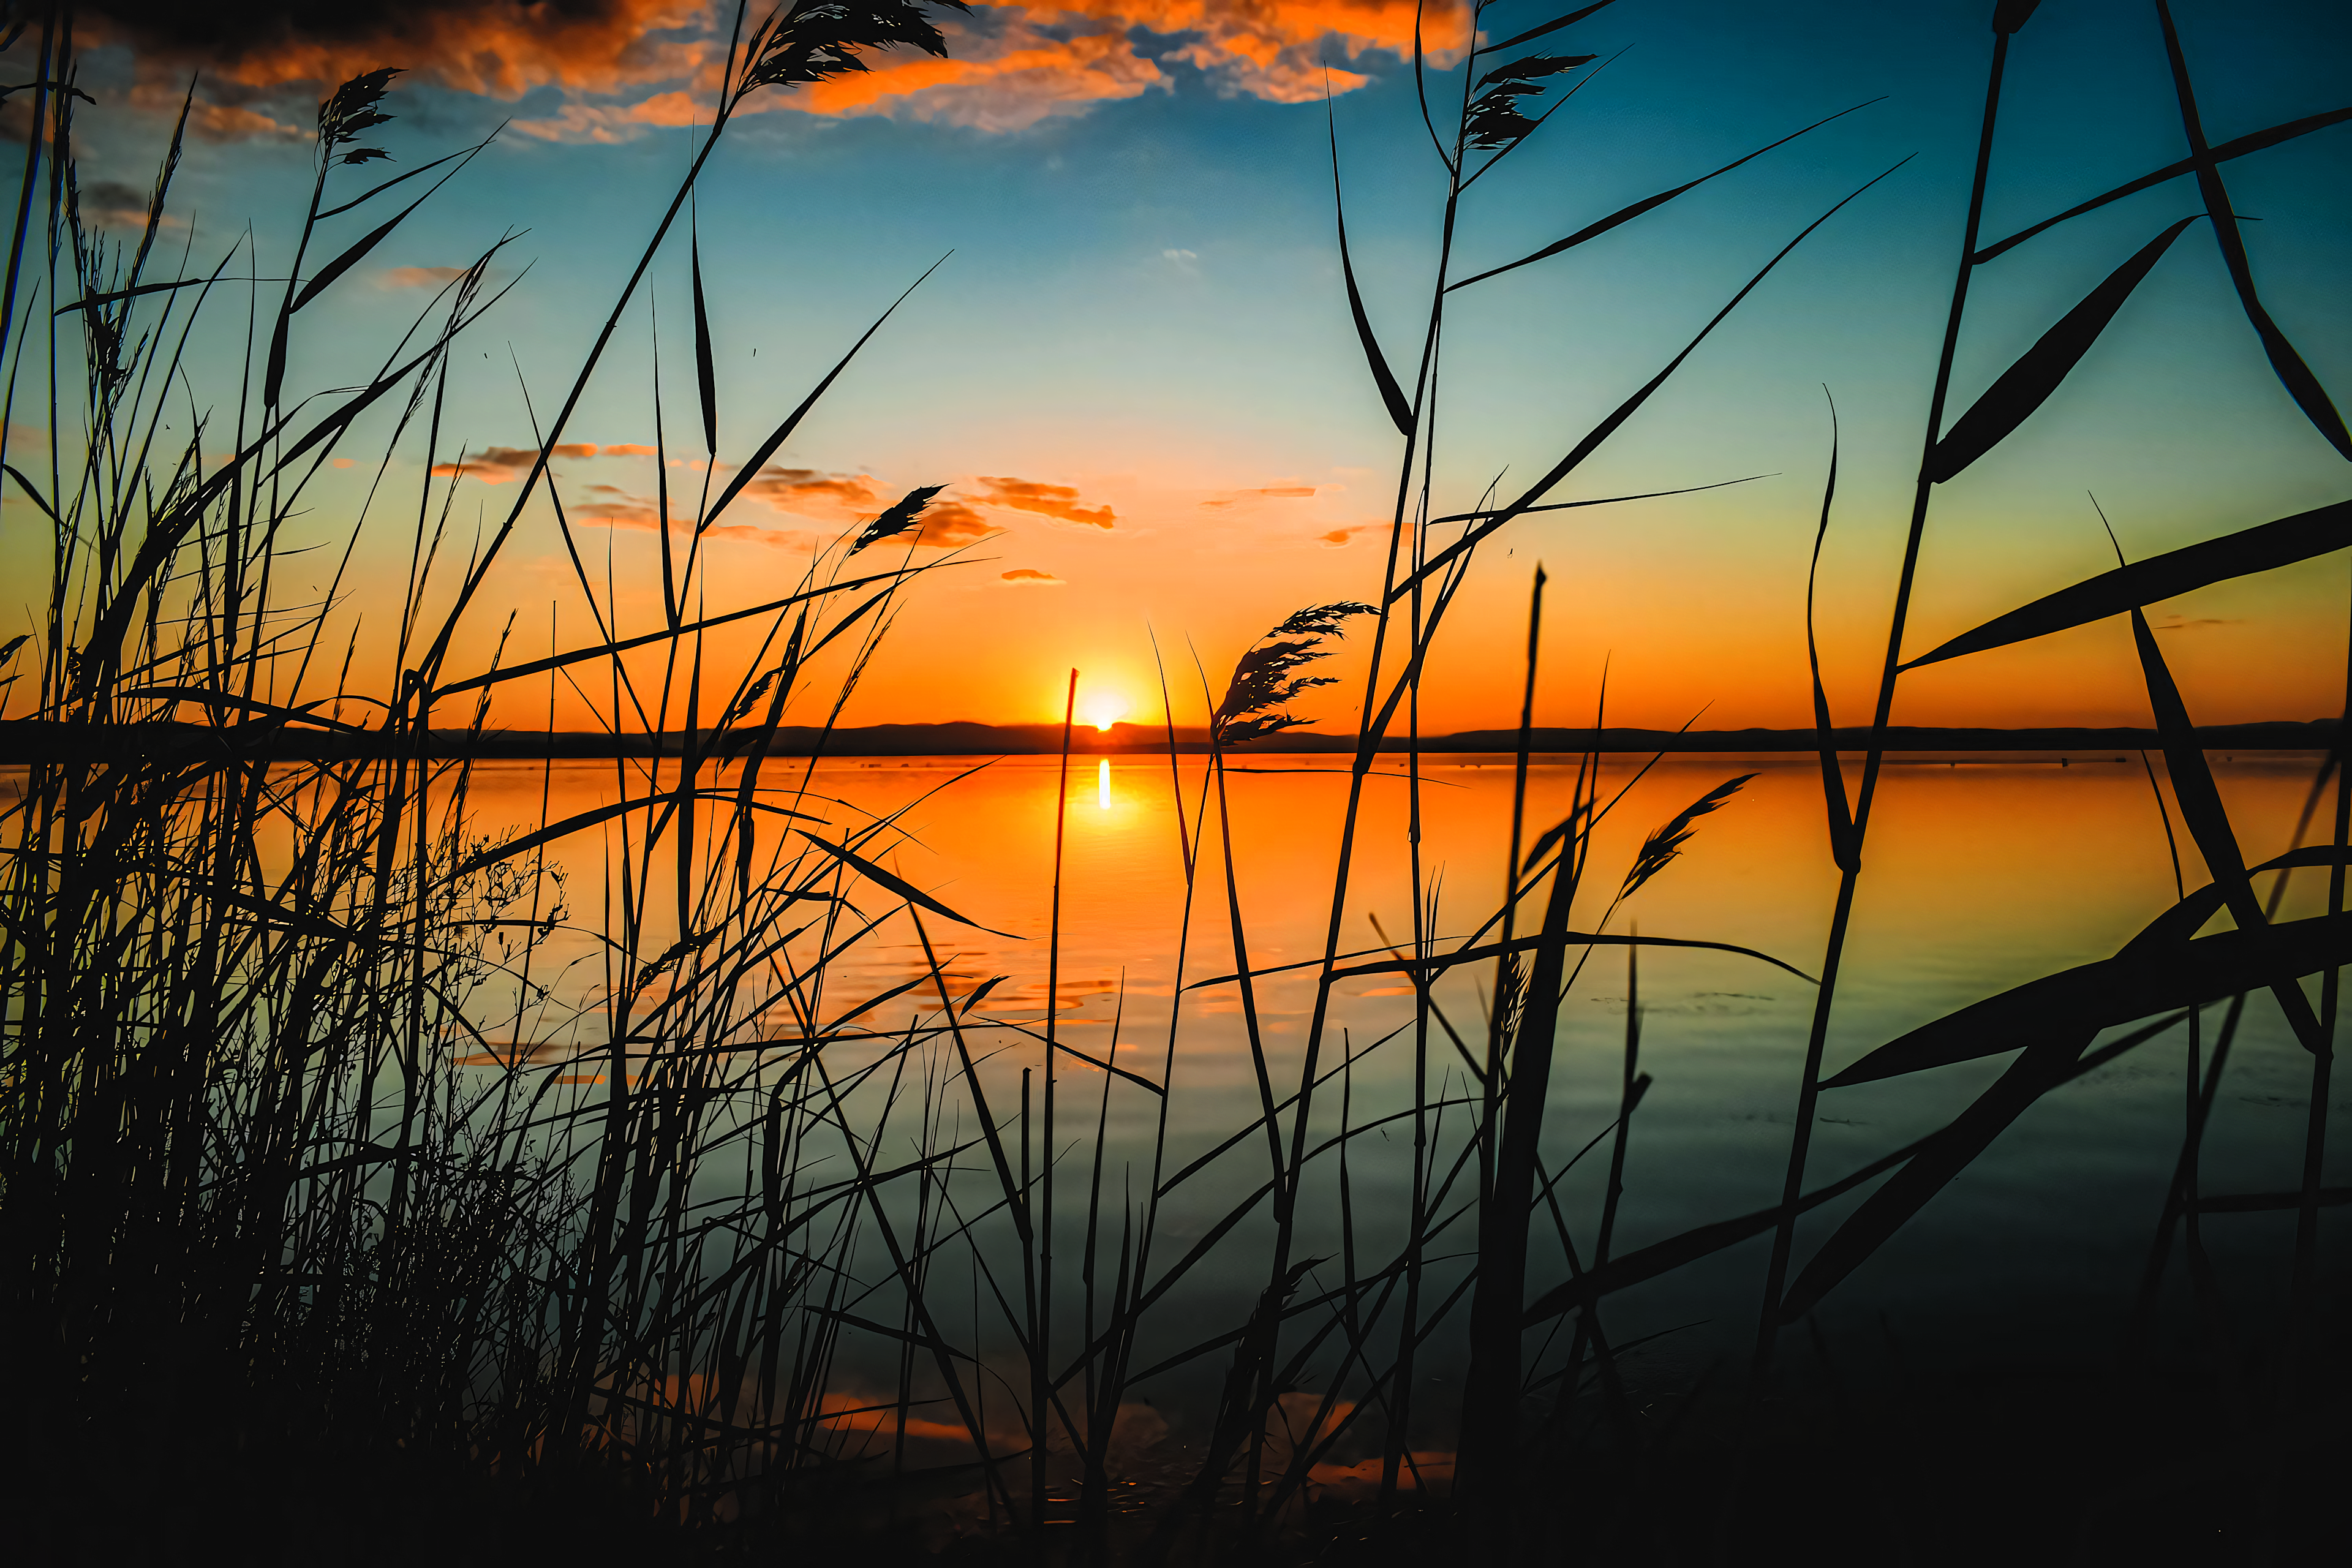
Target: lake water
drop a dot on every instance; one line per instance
(1981, 874)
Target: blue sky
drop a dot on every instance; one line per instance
(1143, 315)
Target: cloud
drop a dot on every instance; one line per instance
(625, 511)
(419, 277)
(948, 523)
(235, 122)
(501, 465)
(482, 469)
(811, 490)
(630, 449)
(859, 497)
(1030, 577)
(1184, 261)
(1050, 500)
(2177, 624)
(626, 66)
(500, 48)
(1269, 492)
(1339, 538)
(113, 203)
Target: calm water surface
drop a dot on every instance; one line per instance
(1980, 875)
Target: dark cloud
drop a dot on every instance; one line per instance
(501, 48)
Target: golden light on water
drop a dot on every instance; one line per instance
(1102, 782)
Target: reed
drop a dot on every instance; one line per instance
(337, 1121)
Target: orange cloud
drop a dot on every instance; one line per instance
(1277, 493)
(629, 450)
(500, 465)
(626, 66)
(1030, 577)
(948, 523)
(625, 511)
(419, 277)
(1006, 75)
(1008, 82)
(810, 490)
(501, 48)
(1051, 501)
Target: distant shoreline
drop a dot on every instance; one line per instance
(26, 741)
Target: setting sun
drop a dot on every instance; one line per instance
(1104, 709)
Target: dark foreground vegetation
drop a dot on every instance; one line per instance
(374, 1191)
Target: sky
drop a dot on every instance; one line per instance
(1135, 373)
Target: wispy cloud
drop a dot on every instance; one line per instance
(1048, 501)
(1231, 499)
(814, 491)
(503, 464)
(419, 277)
(622, 509)
(1030, 577)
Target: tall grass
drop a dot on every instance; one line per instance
(333, 1118)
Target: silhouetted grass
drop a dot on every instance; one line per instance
(339, 1129)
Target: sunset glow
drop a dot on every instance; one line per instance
(1083, 507)
(544, 810)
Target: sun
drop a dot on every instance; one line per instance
(1103, 709)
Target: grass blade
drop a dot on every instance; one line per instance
(2027, 385)
(586, 819)
(758, 460)
(1665, 1257)
(899, 885)
(1470, 540)
(705, 376)
(2135, 983)
(2293, 373)
(2254, 142)
(1392, 396)
(1627, 213)
(1844, 850)
(2264, 548)
(1944, 1156)
(2208, 821)
(1554, 26)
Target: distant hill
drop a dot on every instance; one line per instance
(29, 740)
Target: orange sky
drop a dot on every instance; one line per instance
(1137, 378)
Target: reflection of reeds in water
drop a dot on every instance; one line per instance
(389, 1135)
